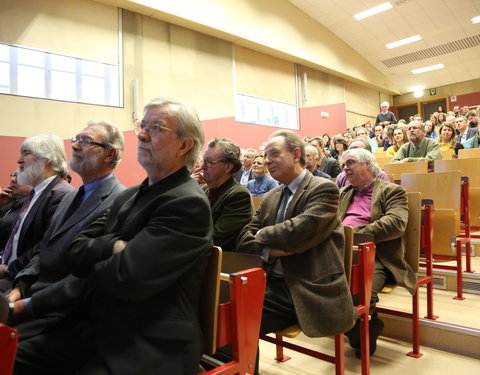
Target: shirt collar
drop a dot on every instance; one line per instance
(293, 186)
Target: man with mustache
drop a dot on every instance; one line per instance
(45, 287)
(11, 200)
(42, 164)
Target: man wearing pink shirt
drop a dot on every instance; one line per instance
(375, 206)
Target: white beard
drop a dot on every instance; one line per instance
(32, 174)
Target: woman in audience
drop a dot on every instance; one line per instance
(327, 142)
(442, 117)
(430, 130)
(399, 138)
(261, 182)
(341, 144)
(447, 139)
(440, 109)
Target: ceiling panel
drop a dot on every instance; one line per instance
(437, 21)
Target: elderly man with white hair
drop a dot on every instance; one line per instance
(419, 147)
(43, 165)
(378, 207)
(385, 117)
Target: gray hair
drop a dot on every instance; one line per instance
(361, 155)
(49, 147)
(113, 140)
(313, 149)
(231, 152)
(421, 125)
(384, 104)
(188, 124)
(366, 144)
(292, 141)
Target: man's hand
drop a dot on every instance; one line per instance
(197, 174)
(119, 245)
(404, 160)
(275, 253)
(19, 311)
(14, 295)
(3, 270)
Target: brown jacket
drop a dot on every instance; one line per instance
(388, 218)
(314, 274)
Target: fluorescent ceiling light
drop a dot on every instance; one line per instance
(402, 42)
(370, 12)
(418, 94)
(475, 19)
(428, 68)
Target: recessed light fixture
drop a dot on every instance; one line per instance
(428, 68)
(370, 12)
(475, 19)
(418, 94)
(402, 42)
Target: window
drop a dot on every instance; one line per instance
(40, 74)
(265, 112)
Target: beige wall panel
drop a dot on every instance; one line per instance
(273, 27)
(189, 65)
(360, 99)
(78, 28)
(460, 88)
(355, 119)
(321, 88)
(264, 76)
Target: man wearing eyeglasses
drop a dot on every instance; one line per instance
(419, 147)
(144, 261)
(42, 165)
(43, 289)
(231, 202)
(378, 207)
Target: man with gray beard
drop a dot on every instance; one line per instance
(44, 292)
(42, 164)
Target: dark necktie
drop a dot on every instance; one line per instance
(283, 205)
(77, 201)
(7, 253)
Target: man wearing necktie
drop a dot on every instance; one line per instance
(44, 292)
(42, 164)
(299, 235)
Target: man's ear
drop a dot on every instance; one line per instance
(110, 155)
(228, 167)
(297, 153)
(187, 144)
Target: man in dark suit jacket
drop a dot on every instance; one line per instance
(231, 202)
(12, 198)
(301, 240)
(325, 164)
(144, 261)
(45, 292)
(465, 133)
(42, 164)
(380, 208)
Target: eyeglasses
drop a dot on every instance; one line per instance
(152, 130)
(211, 163)
(85, 141)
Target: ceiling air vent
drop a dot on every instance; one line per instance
(443, 49)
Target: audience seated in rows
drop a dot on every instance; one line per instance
(325, 164)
